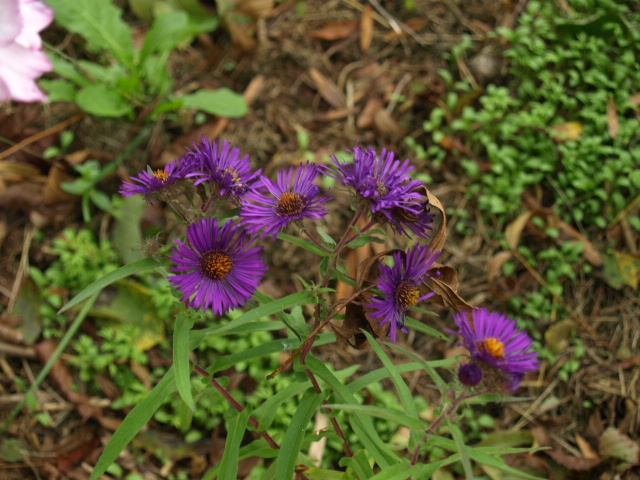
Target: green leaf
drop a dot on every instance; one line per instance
(222, 102)
(171, 29)
(462, 449)
(306, 244)
(126, 234)
(292, 442)
(134, 422)
(275, 346)
(384, 413)
(359, 463)
(275, 306)
(59, 90)
(103, 101)
(99, 22)
(401, 387)
(184, 323)
(236, 426)
(108, 279)
(421, 327)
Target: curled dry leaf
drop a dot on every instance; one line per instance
(327, 89)
(439, 237)
(335, 30)
(366, 29)
(613, 123)
(445, 286)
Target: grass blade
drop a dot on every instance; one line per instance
(181, 329)
(236, 427)
(109, 278)
(134, 422)
(292, 442)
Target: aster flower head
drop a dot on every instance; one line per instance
(21, 58)
(385, 185)
(400, 287)
(497, 344)
(218, 269)
(153, 183)
(222, 167)
(290, 198)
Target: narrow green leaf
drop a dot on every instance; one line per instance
(384, 413)
(236, 426)
(292, 442)
(302, 243)
(362, 424)
(428, 366)
(275, 346)
(478, 455)
(406, 398)
(222, 102)
(109, 278)
(100, 23)
(359, 463)
(421, 327)
(275, 306)
(419, 471)
(462, 449)
(181, 329)
(134, 422)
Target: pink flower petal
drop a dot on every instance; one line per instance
(10, 21)
(19, 68)
(35, 17)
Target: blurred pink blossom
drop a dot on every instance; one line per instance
(21, 58)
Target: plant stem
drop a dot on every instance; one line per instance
(235, 404)
(334, 420)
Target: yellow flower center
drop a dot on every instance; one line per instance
(493, 347)
(216, 265)
(290, 204)
(407, 294)
(161, 175)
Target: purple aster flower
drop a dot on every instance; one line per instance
(400, 286)
(218, 269)
(152, 183)
(287, 200)
(222, 167)
(496, 342)
(387, 187)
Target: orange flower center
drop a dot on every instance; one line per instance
(407, 294)
(493, 347)
(216, 265)
(161, 175)
(290, 204)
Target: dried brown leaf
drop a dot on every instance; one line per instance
(439, 237)
(385, 123)
(365, 118)
(613, 123)
(494, 268)
(336, 30)
(514, 230)
(254, 8)
(53, 193)
(366, 29)
(585, 448)
(327, 89)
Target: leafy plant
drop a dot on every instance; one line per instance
(125, 78)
